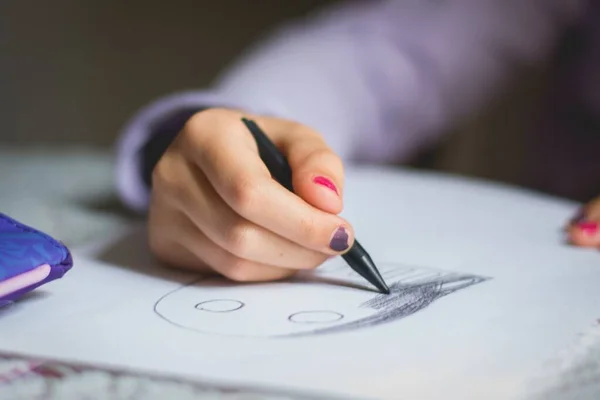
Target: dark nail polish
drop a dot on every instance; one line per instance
(339, 241)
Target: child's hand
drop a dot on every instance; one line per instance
(215, 206)
(584, 230)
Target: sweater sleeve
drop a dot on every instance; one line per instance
(378, 79)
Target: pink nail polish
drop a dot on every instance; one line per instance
(321, 180)
(590, 228)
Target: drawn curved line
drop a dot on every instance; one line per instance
(167, 320)
(338, 317)
(428, 290)
(240, 305)
(187, 328)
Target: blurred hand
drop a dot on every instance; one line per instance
(215, 207)
(583, 229)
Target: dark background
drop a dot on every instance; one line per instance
(75, 70)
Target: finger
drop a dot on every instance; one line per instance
(318, 173)
(238, 175)
(179, 257)
(162, 234)
(232, 232)
(227, 264)
(583, 230)
(192, 250)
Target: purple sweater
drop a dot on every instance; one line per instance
(381, 79)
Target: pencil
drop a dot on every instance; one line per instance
(357, 257)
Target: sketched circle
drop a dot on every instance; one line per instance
(219, 305)
(315, 317)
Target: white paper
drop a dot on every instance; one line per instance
(487, 293)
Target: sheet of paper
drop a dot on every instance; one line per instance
(485, 293)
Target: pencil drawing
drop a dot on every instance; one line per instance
(405, 299)
(302, 307)
(220, 305)
(315, 317)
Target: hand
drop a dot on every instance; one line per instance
(215, 207)
(584, 229)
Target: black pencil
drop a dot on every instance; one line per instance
(357, 257)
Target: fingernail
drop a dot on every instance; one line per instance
(321, 180)
(590, 228)
(339, 240)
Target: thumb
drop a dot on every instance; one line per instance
(317, 172)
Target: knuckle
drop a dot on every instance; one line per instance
(198, 120)
(199, 129)
(206, 134)
(245, 195)
(198, 123)
(238, 239)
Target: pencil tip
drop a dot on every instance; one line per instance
(383, 288)
(375, 277)
(362, 263)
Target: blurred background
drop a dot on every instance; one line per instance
(72, 72)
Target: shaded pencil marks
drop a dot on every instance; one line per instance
(405, 299)
(323, 303)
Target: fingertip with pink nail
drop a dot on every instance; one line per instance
(326, 182)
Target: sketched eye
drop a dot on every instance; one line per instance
(315, 317)
(220, 305)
